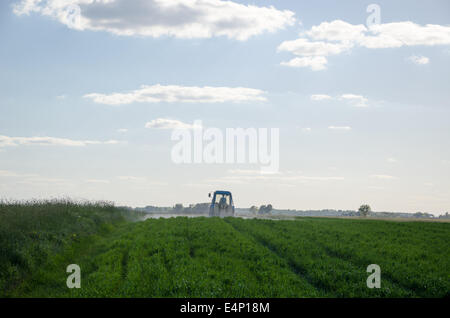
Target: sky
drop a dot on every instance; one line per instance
(90, 92)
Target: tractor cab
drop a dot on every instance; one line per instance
(221, 204)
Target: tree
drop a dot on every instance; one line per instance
(364, 210)
(262, 209)
(178, 207)
(253, 209)
(265, 209)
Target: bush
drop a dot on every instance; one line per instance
(30, 231)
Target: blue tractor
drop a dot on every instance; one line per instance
(221, 204)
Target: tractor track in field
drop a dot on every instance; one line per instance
(124, 264)
(293, 267)
(386, 275)
(303, 273)
(358, 262)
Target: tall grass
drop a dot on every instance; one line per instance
(32, 230)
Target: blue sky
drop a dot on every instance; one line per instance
(387, 91)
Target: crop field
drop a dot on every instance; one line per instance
(213, 257)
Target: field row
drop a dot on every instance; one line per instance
(232, 257)
(333, 254)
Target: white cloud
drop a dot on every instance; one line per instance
(419, 60)
(337, 30)
(391, 160)
(406, 33)
(311, 54)
(122, 130)
(316, 63)
(356, 100)
(31, 179)
(304, 47)
(155, 18)
(353, 99)
(49, 141)
(319, 97)
(306, 129)
(336, 37)
(388, 35)
(339, 127)
(43, 181)
(174, 93)
(165, 123)
(383, 176)
(7, 173)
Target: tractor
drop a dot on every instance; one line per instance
(221, 204)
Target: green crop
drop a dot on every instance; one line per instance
(213, 257)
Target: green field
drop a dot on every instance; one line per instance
(213, 257)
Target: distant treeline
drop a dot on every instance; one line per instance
(198, 208)
(331, 212)
(203, 208)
